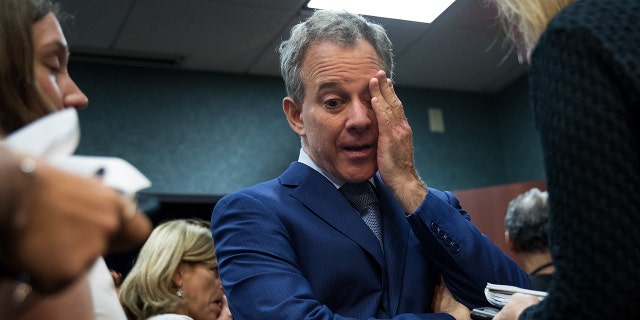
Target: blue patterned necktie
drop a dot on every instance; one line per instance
(363, 198)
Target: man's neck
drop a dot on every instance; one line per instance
(306, 159)
(536, 260)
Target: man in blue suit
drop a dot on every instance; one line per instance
(296, 248)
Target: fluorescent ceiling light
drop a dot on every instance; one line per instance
(413, 10)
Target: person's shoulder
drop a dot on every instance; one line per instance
(258, 187)
(589, 28)
(598, 14)
(253, 190)
(292, 175)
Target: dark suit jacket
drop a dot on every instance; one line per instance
(294, 248)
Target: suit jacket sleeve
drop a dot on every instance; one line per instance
(467, 258)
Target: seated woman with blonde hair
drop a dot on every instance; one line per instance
(176, 275)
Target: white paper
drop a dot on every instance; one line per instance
(498, 295)
(53, 136)
(56, 136)
(118, 174)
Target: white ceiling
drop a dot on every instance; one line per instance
(461, 50)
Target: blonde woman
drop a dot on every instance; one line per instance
(585, 92)
(176, 276)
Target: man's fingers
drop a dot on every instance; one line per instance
(388, 102)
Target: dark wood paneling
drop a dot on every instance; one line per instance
(488, 206)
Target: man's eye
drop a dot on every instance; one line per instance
(333, 103)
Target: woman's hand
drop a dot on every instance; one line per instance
(63, 224)
(517, 303)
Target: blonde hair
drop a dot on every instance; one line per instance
(530, 17)
(149, 289)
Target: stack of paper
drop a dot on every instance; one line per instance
(56, 136)
(498, 295)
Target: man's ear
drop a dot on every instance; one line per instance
(293, 111)
(507, 239)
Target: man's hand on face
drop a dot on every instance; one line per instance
(395, 145)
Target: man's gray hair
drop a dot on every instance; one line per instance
(339, 27)
(527, 221)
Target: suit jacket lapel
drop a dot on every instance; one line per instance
(322, 198)
(396, 236)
